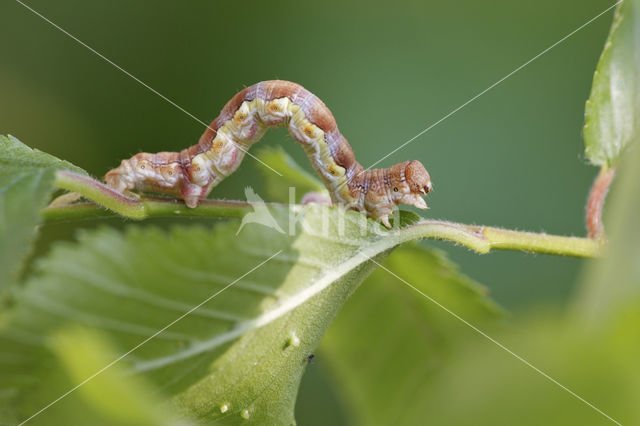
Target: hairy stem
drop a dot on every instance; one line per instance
(481, 239)
(101, 194)
(484, 239)
(595, 226)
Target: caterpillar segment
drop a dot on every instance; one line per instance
(192, 173)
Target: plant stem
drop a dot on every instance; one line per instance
(506, 239)
(481, 239)
(133, 208)
(101, 194)
(595, 227)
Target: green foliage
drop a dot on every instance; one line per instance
(293, 176)
(76, 353)
(412, 363)
(109, 398)
(484, 383)
(611, 288)
(388, 343)
(592, 350)
(238, 357)
(23, 192)
(218, 323)
(26, 183)
(244, 350)
(612, 119)
(614, 282)
(15, 153)
(590, 354)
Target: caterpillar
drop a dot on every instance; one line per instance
(192, 173)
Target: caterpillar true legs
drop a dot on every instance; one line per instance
(192, 173)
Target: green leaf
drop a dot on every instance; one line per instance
(482, 384)
(14, 153)
(23, 192)
(111, 397)
(26, 183)
(240, 354)
(293, 176)
(409, 375)
(389, 341)
(613, 109)
(397, 358)
(614, 281)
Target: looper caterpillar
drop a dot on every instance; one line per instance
(192, 173)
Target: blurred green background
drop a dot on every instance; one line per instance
(511, 158)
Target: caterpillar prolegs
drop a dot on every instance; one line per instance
(193, 172)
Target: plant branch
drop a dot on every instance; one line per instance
(484, 239)
(595, 226)
(110, 203)
(481, 239)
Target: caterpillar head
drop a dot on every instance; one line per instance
(410, 181)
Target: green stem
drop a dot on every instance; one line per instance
(506, 239)
(101, 194)
(481, 239)
(133, 208)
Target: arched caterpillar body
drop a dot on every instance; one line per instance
(192, 173)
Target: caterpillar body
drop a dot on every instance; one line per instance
(192, 173)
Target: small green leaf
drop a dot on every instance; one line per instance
(389, 341)
(293, 176)
(612, 114)
(26, 183)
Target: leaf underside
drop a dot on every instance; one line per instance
(389, 342)
(233, 351)
(26, 183)
(237, 358)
